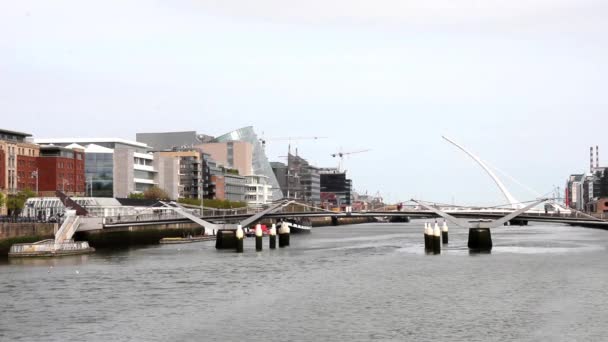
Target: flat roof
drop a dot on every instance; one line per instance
(6, 131)
(90, 141)
(54, 147)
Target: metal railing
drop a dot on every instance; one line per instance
(48, 246)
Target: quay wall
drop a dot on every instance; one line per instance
(152, 233)
(11, 233)
(137, 234)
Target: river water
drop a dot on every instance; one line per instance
(348, 283)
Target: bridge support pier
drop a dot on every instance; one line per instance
(258, 237)
(480, 240)
(518, 222)
(334, 220)
(284, 235)
(225, 239)
(240, 237)
(272, 236)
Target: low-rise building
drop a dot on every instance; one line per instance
(258, 192)
(60, 168)
(17, 163)
(114, 167)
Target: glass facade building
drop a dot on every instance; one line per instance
(99, 174)
(261, 165)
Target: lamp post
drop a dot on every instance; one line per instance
(35, 174)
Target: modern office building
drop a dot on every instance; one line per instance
(234, 187)
(114, 167)
(335, 182)
(245, 153)
(574, 192)
(236, 155)
(303, 180)
(258, 192)
(60, 168)
(182, 173)
(280, 172)
(298, 179)
(260, 163)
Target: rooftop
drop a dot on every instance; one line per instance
(91, 141)
(5, 131)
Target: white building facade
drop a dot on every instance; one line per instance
(114, 167)
(258, 191)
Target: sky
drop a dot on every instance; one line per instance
(520, 83)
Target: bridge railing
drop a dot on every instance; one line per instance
(161, 216)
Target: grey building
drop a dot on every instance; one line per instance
(260, 164)
(335, 182)
(303, 180)
(280, 171)
(169, 140)
(234, 187)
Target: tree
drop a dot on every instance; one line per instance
(16, 203)
(1, 200)
(156, 193)
(135, 195)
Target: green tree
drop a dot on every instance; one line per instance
(135, 195)
(16, 203)
(2, 200)
(156, 193)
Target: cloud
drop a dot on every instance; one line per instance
(494, 15)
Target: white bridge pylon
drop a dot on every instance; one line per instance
(515, 204)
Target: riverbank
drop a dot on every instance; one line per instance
(12, 233)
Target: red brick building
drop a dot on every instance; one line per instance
(17, 160)
(62, 169)
(2, 170)
(26, 172)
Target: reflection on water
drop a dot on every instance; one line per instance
(68, 260)
(354, 283)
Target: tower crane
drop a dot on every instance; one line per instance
(343, 154)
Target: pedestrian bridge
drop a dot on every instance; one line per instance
(295, 210)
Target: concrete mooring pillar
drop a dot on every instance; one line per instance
(284, 235)
(258, 237)
(240, 237)
(272, 236)
(480, 239)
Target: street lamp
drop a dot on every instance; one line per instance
(35, 174)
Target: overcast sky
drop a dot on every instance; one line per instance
(521, 83)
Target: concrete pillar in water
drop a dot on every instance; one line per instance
(480, 239)
(444, 232)
(426, 237)
(284, 235)
(272, 236)
(240, 236)
(258, 237)
(436, 239)
(225, 239)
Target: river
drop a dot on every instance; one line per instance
(347, 283)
